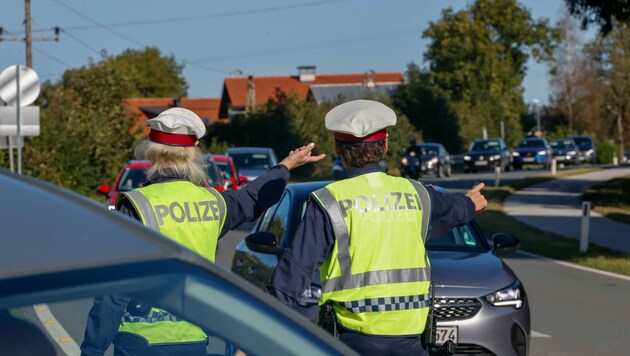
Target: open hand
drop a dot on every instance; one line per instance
(300, 156)
(477, 198)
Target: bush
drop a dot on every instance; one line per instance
(605, 151)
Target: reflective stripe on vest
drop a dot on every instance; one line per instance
(387, 304)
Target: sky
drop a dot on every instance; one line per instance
(218, 39)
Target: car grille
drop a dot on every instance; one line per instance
(448, 309)
(467, 349)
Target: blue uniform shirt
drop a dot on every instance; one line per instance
(242, 205)
(314, 238)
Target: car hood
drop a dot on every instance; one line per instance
(465, 270)
(484, 153)
(529, 149)
(251, 174)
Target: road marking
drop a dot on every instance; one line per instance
(575, 266)
(537, 334)
(56, 331)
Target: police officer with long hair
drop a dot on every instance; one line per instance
(367, 234)
(177, 202)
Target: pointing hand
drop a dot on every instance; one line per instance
(477, 198)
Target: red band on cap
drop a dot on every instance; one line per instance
(376, 136)
(172, 139)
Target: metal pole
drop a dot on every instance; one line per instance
(10, 145)
(19, 119)
(553, 166)
(586, 215)
(497, 175)
(502, 129)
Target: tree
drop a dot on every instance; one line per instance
(477, 57)
(85, 124)
(601, 13)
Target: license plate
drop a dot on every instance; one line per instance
(528, 159)
(481, 163)
(445, 333)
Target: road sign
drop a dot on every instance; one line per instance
(29, 85)
(29, 117)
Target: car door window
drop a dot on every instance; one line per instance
(278, 221)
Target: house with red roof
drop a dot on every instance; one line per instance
(243, 93)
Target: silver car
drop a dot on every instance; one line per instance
(479, 302)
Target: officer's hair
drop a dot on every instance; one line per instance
(183, 162)
(360, 154)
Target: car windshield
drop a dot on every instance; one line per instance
(251, 160)
(584, 143)
(132, 179)
(531, 143)
(225, 169)
(463, 238)
(485, 146)
(562, 144)
(212, 174)
(428, 150)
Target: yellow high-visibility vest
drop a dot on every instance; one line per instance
(378, 273)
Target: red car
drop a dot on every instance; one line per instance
(133, 176)
(229, 171)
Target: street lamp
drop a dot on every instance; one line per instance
(536, 103)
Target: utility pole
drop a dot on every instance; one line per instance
(29, 38)
(29, 35)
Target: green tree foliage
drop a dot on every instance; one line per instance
(601, 13)
(428, 109)
(85, 124)
(477, 57)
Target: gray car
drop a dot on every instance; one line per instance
(252, 162)
(58, 250)
(479, 302)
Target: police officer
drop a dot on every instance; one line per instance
(367, 233)
(177, 202)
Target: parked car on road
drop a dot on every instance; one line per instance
(479, 301)
(52, 269)
(587, 153)
(565, 151)
(252, 162)
(229, 171)
(532, 150)
(487, 154)
(131, 176)
(427, 158)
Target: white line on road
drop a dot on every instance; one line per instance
(537, 334)
(573, 265)
(56, 331)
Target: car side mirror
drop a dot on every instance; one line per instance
(104, 189)
(263, 242)
(504, 244)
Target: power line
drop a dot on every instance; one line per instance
(53, 58)
(203, 17)
(83, 43)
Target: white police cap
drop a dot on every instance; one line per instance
(176, 127)
(360, 121)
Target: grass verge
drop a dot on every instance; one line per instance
(543, 243)
(611, 199)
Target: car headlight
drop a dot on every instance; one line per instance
(433, 160)
(515, 154)
(466, 158)
(496, 157)
(511, 296)
(542, 153)
(310, 296)
(571, 153)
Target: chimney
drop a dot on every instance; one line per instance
(368, 81)
(251, 94)
(306, 74)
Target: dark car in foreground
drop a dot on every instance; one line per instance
(479, 302)
(51, 269)
(252, 162)
(487, 154)
(565, 151)
(432, 159)
(532, 150)
(587, 152)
